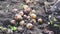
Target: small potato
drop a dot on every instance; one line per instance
(21, 13)
(20, 29)
(28, 1)
(9, 31)
(17, 16)
(14, 10)
(29, 25)
(28, 17)
(40, 20)
(33, 11)
(25, 16)
(27, 8)
(33, 20)
(22, 23)
(13, 22)
(33, 16)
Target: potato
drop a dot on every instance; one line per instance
(22, 23)
(29, 25)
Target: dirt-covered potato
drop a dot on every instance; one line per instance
(40, 20)
(33, 20)
(25, 16)
(13, 22)
(29, 25)
(26, 8)
(14, 10)
(20, 29)
(33, 11)
(22, 23)
(28, 17)
(29, 1)
(17, 17)
(9, 31)
(33, 16)
(21, 13)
